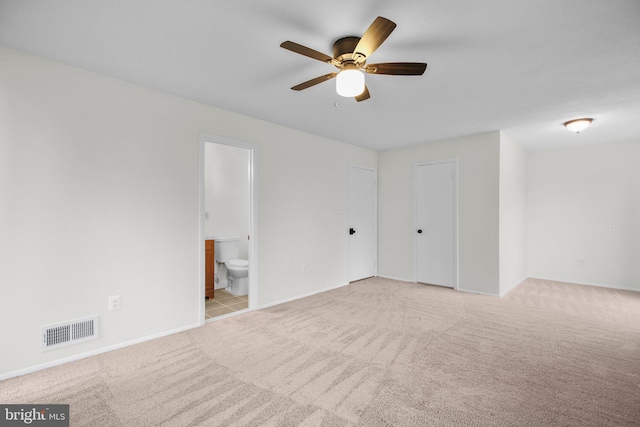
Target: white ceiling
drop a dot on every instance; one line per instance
(522, 66)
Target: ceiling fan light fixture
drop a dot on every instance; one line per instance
(350, 82)
(350, 55)
(578, 125)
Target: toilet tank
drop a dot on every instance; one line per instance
(227, 248)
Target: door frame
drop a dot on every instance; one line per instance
(415, 218)
(375, 217)
(252, 247)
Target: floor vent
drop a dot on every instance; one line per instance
(71, 332)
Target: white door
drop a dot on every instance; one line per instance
(362, 223)
(436, 223)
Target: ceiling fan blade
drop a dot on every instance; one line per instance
(314, 82)
(397, 68)
(375, 35)
(364, 95)
(306, 51)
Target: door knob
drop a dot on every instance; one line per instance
(352, 231)
(420, 231)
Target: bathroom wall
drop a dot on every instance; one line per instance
(226, 193)
(100, 196)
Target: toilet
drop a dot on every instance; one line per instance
(227, 252)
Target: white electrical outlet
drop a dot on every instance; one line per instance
(580, 261)
(115, 303)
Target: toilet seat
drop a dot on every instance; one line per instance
(238, 263)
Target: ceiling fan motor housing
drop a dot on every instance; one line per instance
(343, 48)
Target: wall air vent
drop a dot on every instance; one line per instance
(66, 333)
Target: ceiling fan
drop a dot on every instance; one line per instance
(350, 56)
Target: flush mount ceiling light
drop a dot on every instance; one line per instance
(350, 81)
(577, 125)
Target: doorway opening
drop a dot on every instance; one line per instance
(228, 244)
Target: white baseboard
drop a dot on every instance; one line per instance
(396, 278)
(95, 352)
(600, 285)
(512, 287)
(469, 291)
(271, 304)
(456, 289)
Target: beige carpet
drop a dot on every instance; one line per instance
(374, 353)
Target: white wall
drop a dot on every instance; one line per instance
(478, 208)
(227, 193)
(513, 214)
(99, 193)
(574, 196)
(99, 185)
